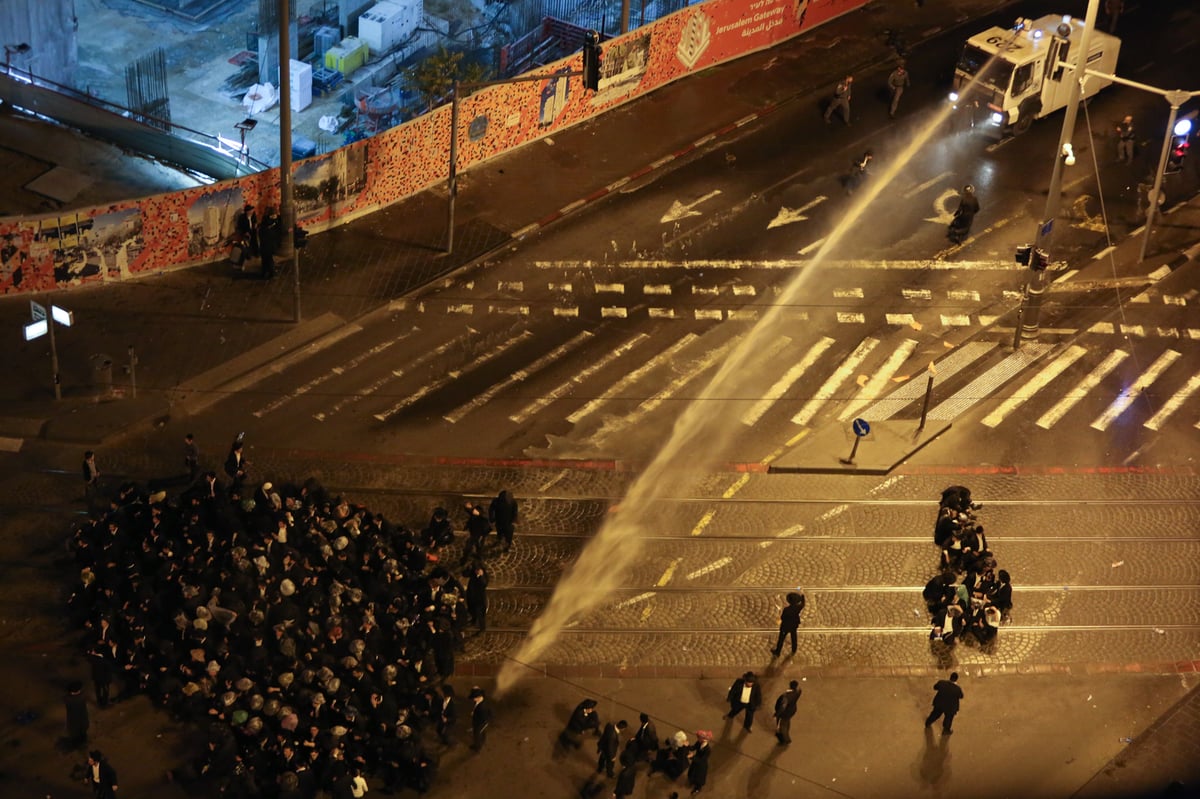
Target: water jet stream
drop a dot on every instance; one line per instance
(699, 437)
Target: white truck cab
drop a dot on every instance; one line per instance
(1023, 73)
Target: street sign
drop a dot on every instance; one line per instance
(36, 329)
(1047, 226)
(62, 316)
(38, 311)
(860, 427)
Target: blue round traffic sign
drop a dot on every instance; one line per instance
(860, 427)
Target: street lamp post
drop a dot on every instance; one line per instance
(287, 211)
(1176, 99)
(1035, 287)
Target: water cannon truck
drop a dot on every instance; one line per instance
(1024, 72)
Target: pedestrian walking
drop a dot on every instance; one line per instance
(964, 215)
(697, 773)
(609, 746)
(481, 718)
(858, 172)
(503, 514)
(101, 776)
(583, 719)
(478, 528)
(191, 457)
(841, 100)
(476, 595)
(645, 740)
(898, 81)
(236, 465)
(785, 708)
(789, 621)
(1125, 139)
(447, 720)
(102, 658)
(946, 698)
(745, 694)
(246, 227)
(91, 478)
(78, 720)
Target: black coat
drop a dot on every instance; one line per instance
(947, 696)
(698, 770)
(735, 694)
(625, 782)
(610, 741)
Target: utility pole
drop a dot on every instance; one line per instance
(287, 209)
(1036, 286)
(1176, 99)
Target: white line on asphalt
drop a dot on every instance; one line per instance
(1128, 395)
(1174, 299)
(510, 285)
(430, 387)
(742, 314)
(786, 381)
(628, 380)
(900, 319)
(888, 483)
(983, 385)
(744, 291)
(291, 359)
(666, 159)
(1194, 333)
(633, 600)
(851, 318)
(1035, 384)
(913, 192)
(947, 367)
(1067, 275)
(963, 295)
(573, 311)
(746, 120)
(1081, 389)
(1142, 299)
(1104, 252)
(712, 567)
(554, 394)
(517, 376)
(709, 290)
(708, 314)
(609, 311)
(461, 308)
(703, 140)
(566, 209)
(848, 293)
(661, 313)
(616, 184)
(1160, 273)
(395, 373)
(955, 320)
(1102, 327)
(610, 288)
(916, 294)
(1133, 330)
(1178, 398)
(836, 510)
(525, 231)
(874, 387)
(567, 287)
(660, 288)
(341, 368)
(789, 264)
(834, 381)
(509, 310)
(1167, 332)
(714, 357)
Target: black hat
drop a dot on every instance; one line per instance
(476, 692)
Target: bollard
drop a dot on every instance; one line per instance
(1017, 331)
(925, 404)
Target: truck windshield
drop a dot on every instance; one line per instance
(995, 74)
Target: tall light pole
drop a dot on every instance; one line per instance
(287, 210)
(1035, 288)
(1176, 99)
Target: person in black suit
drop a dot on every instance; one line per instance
(744, 694)
(945, 702)
(645, 740)
(789, 621)
(785, 708)
(481, 718)
(608, 746)
(101, 776)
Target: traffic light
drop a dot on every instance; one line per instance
(1039, 260)
(1023, 253)
(1175, 157)
(591, 61)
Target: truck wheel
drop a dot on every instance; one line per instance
(1022, 125)
(1028, 112)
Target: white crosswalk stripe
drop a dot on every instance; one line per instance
(786, 381)
(1127, 397)
(874, 387)
(1177, 399)
(619, 388)
(983, 385)
(555, 394)
(1035, 384)
(947, 367)
(483, 397)
(835, 380)
(1081, 389)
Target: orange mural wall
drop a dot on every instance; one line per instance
(167, 231)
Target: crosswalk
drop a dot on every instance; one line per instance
(602, 382)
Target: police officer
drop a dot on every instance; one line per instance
(841, 100)
(898, 81)
(1125, 137)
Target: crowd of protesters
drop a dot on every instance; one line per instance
(969, 594)
(310, 637)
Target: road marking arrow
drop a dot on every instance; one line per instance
(680, 211)
(786, 215)
(944, 215)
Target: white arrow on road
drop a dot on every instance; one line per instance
(680, 211)
(944, 215)
(786, 215)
